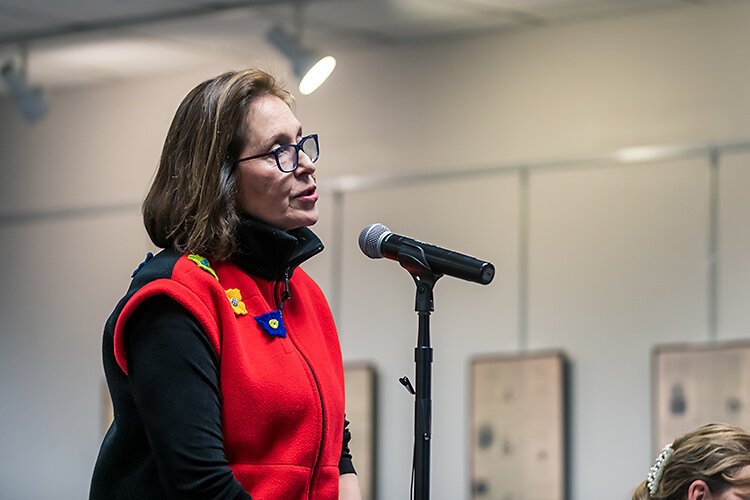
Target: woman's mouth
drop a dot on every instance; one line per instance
(309, 195)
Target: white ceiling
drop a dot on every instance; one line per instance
(72, 42)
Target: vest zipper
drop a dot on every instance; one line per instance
(322, 429)
(286, 294)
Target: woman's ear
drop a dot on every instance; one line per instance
(698, 490)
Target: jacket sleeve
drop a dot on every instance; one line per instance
(345, 462)
(173, 373)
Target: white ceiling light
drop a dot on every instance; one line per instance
(310, 66)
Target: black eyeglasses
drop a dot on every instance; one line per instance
(287, 156)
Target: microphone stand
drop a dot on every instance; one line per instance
(413, 259)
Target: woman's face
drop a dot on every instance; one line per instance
(284, 200)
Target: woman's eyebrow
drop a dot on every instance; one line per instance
(282, 138)
(274, 139)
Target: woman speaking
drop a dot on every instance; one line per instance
(223, 360)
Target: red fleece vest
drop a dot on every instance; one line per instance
(283, 398)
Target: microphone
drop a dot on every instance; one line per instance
(377, 241)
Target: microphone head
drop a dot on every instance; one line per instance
(370, 239)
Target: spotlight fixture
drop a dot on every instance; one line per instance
(311, 67)
(29, 101)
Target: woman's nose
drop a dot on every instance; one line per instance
(304, 165)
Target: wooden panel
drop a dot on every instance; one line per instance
(518, 428)
(697, 384)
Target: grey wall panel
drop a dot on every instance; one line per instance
(734, 247)
(617, 264)
(60, 281)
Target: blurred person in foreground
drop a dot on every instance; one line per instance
(223, 360)
(711, 462)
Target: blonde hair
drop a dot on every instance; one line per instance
(191, 205)
(714, 453)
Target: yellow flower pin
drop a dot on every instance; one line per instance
(235, 298)
(203, 263)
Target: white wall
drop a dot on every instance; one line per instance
(617, 255)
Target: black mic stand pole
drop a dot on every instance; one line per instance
(413, 259)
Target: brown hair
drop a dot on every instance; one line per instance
(714, 453)
(191, 205)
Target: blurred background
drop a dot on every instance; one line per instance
(596, 151)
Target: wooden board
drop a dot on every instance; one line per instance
(518, 428)
(698, 384)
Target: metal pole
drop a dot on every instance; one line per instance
(412, 259)
(423, 408)
(523, 259)
(713, 247)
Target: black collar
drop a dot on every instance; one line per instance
(269, 252)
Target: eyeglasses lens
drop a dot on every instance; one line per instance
(287, 157)
(310, 148)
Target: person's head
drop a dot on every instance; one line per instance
(711, 462)
(204, 184)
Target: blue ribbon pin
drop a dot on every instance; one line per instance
(272, 323)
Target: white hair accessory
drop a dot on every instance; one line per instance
(654, 475)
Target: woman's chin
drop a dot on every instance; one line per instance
(310, 221)
(311, 216)
(303, 219)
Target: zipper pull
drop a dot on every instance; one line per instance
(286, 293)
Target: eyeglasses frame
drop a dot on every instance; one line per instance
(276, 152)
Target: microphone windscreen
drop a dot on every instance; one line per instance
(370, 238)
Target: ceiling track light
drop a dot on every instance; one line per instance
(310, 66)
(29, 101)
